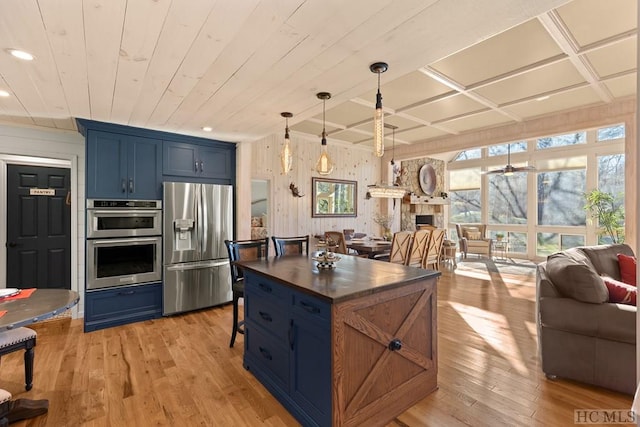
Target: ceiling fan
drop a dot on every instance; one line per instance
(509, 169)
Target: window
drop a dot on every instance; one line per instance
(613, 132)
(611, 174)
(508, 199)
(562, 140)
(465, 195)
(549, 243)
(561, 198)
(502, 149)
(465, 206)
(476, 153)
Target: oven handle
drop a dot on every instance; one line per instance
(197, 265)
(132, 212)
(134, 241)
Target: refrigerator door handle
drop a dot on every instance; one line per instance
(196, 265)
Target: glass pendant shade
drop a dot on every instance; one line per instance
(378, 129)
(286, 155)
(324, 166)
(378, 116)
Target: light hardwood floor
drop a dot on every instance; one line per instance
(179, 371)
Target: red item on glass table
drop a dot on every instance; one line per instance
(24, 293)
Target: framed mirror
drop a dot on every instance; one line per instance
(334, 198)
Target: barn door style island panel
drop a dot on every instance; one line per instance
(349, 346)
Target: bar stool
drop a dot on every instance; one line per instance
(242, 250)
(18, 339)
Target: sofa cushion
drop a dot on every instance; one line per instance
(605, 258)
(627, 266)
(620, 292)
(575, 279)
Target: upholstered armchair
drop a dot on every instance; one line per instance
(473, 239)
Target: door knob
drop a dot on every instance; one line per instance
(12, 244)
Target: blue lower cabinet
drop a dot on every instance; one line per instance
(288, 347)
(105, 308)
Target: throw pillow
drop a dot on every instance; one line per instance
(577, 280)
(473, 235)
(627, 269)
(620, 292)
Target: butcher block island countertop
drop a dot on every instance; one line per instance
(350, 346)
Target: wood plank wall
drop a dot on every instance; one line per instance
(291, 216)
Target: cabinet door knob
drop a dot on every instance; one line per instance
(131, 185)
(196, 166)
(124, 185)
(201, 166)
(395, 344)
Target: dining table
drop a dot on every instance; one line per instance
(17, 311)
(28, 306)
(369, 247)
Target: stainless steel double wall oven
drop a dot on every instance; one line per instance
(124, 242)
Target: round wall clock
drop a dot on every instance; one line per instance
(427, 179)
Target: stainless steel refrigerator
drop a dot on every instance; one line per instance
(197, 220)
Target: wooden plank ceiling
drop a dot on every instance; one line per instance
(180, 65)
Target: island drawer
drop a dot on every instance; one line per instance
(310, 307)
(265, 288)
(267, 354)
(268, 315)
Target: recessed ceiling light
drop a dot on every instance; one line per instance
(4, 93)
(542, 98)
(207, 129)
(21, 54)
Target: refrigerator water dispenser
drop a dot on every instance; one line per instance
(183, 230)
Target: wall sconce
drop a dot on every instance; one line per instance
(325, 164)
(286, 156)
(378, 116)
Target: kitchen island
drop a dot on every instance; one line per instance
(348, 346)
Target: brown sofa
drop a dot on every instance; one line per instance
(581, 335)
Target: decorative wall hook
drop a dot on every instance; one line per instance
(295, 191)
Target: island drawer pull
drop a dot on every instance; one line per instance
(266, 316)
(265, 353)
(309, 307)
(265, 288)
(291, 336)
(395, 344)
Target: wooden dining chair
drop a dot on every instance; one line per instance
(400, 247)
(434, 249)
(419, 246)
(291, 245)
(242, 250)
(337, 237)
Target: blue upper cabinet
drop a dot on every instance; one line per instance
(198, 160)
(125, 162)
(123, 166)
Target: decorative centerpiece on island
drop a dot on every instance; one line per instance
(326, 260)
(385, 222)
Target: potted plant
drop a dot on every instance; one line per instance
(608, 212)
(499, 236)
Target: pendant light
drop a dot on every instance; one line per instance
(286, 156)
(324, 165)
(388, 191)
(378, 116)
